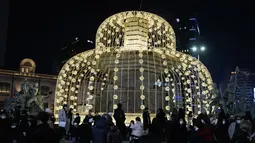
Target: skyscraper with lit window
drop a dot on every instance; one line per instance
(187, 32)
(245, 88)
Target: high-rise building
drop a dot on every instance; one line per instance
(245, 87)
(186, 29)
(187, 33)
(4, 12)
(71, 50)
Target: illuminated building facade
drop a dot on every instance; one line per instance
(245, 88)
(11, 81)
(135, 63)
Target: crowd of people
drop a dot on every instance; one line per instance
(17, 126)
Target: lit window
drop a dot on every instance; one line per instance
(27, 70)
(254, 94)
(4, 89)
(22, 69)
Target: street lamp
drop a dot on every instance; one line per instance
(194, 48)
(198, 50)
(202, 48)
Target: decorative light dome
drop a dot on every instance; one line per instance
(135, 63)
(135, 30)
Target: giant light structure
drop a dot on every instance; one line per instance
(135, 63)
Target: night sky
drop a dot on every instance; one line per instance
(38, 30)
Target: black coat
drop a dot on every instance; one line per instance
(146, 120)
(85, 133)
(99, 132)
(114, 136)
(77, 120)
(171, 131)
(44, 134)
(242, 137)
(194, 137)
(5, 131)
(221, 133)
(182, 133)
(119, 115)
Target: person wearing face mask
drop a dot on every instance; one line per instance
(194, 136)
(182, 132)
(221, 132)
(243, 134)
(233, 129)
(205, 131)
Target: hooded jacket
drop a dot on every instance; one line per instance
(99, 132)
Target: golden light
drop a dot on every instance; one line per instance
(133, 49)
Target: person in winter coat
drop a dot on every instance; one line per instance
(109, 121)
(243, 135)
(171, 128)
(137, 130)
(96, 117)
(234, 128)
(221, 132)
(5, 128)
(146, 119)
(89, 118)
(62, 121)
(69, 126)
(119, 116)
(155, 131)
(51, 118)
(84, 132)
(194, 136)
(76, 123)
(99, 132)
(161, 116)
(43, 133)
(182, 132)
(204, 130)
(114, 135)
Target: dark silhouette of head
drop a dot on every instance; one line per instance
(43, 117)
(119, 106)
(138, 119)
(65, 106)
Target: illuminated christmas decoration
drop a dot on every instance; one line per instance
(135, 63)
